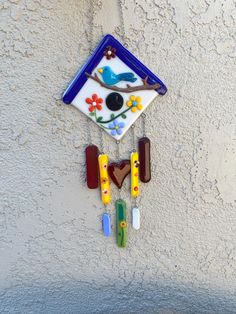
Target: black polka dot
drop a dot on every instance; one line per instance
(114, 101)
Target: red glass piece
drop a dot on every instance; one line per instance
(119, 171)
(91, 153)
(144, 159)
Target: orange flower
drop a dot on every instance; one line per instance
(94, 102)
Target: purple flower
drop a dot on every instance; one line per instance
(116, 127)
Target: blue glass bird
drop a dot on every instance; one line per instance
(110, 78)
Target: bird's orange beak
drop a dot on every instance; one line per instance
(100, 70)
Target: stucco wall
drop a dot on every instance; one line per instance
(53, 256)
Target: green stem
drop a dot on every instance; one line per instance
(95, 113)
(112, 119)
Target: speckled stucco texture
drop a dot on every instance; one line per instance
(53, 256)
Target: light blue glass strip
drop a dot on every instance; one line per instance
(106, 224)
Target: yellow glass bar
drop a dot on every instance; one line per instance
(104, 179)
(134, 174)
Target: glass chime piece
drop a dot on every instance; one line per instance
(91, 153)
(144, 159)
(136, 218)
(119, 171)
(134, 174)
(104, 179)
(114, 101)
(113, 88)
(121, 223)
(106, 224)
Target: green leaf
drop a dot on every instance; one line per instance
(92, 113)
(123, 116)
(112, 115)
(99, 119)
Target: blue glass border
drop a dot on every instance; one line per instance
(125, 55)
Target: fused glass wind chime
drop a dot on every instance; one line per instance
(113, 89)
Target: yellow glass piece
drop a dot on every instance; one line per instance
(138, 99)
(134, 174)
(104, 179)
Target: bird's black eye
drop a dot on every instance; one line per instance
(114, 101)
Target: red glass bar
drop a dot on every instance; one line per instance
(144, 159)
(91, 153)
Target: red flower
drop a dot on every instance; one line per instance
(104, 180)
(110, 52)
(94, 102)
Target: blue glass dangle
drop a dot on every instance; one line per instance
(106, 224)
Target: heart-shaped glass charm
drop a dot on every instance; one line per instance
(119, 171)
(113, 88)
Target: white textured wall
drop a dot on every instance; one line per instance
(53, 256)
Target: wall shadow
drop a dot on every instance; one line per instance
(88, 298)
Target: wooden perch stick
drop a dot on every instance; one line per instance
(128, 89)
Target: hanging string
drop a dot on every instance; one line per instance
(117, 149)
(89, 131)
(92, 16)
(133, 137)
(144, 123)
(101, 141)
(122, 23)
(118, 158)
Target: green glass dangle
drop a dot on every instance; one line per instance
(121, 223)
